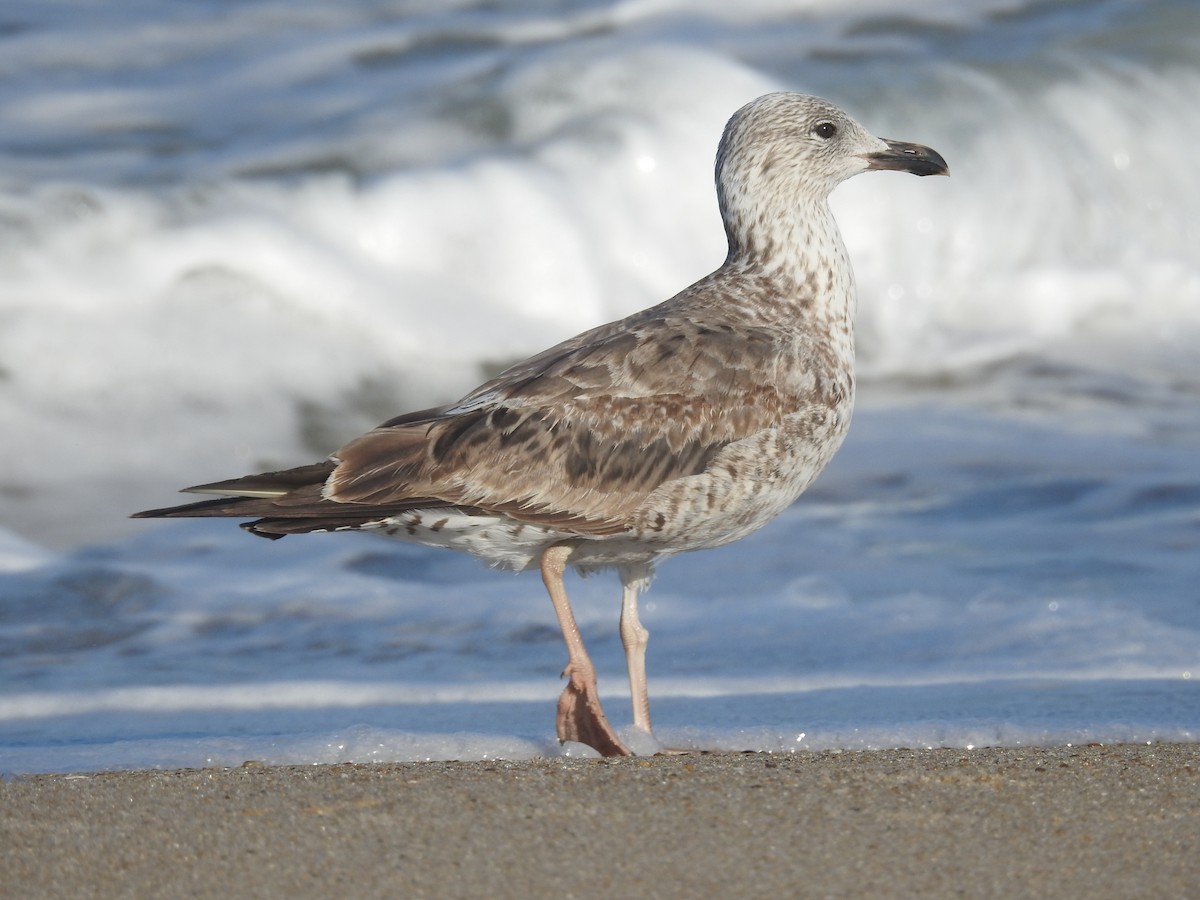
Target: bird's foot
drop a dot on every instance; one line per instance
(581, 718)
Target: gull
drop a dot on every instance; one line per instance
(685, 426)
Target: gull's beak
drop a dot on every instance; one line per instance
(904, 157)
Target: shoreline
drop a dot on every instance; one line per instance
(1108, 821)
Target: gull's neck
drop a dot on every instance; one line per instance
(800, 251)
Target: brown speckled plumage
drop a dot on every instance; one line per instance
(682, 427)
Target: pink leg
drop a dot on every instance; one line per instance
(580, 717)
(634, 637)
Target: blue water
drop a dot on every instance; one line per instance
(232, 238)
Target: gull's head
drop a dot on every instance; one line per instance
(799, 148)
(780, 157)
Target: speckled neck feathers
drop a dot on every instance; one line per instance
(773, 178)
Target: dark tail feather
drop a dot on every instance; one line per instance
(268, 483)
(291, 492)
(276, 522)
(290, 503)
(219, 506)
(252, 495)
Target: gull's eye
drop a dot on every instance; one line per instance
(825, 130)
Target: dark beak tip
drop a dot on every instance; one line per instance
(933, 164)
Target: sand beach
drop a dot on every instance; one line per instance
(1097, 821)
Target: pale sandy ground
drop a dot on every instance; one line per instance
(1089, 822)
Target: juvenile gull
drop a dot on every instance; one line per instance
(685, 426)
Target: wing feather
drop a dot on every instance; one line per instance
(581, 434)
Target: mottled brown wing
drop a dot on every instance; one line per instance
(579, 435)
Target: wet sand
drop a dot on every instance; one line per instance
(1117, 821)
